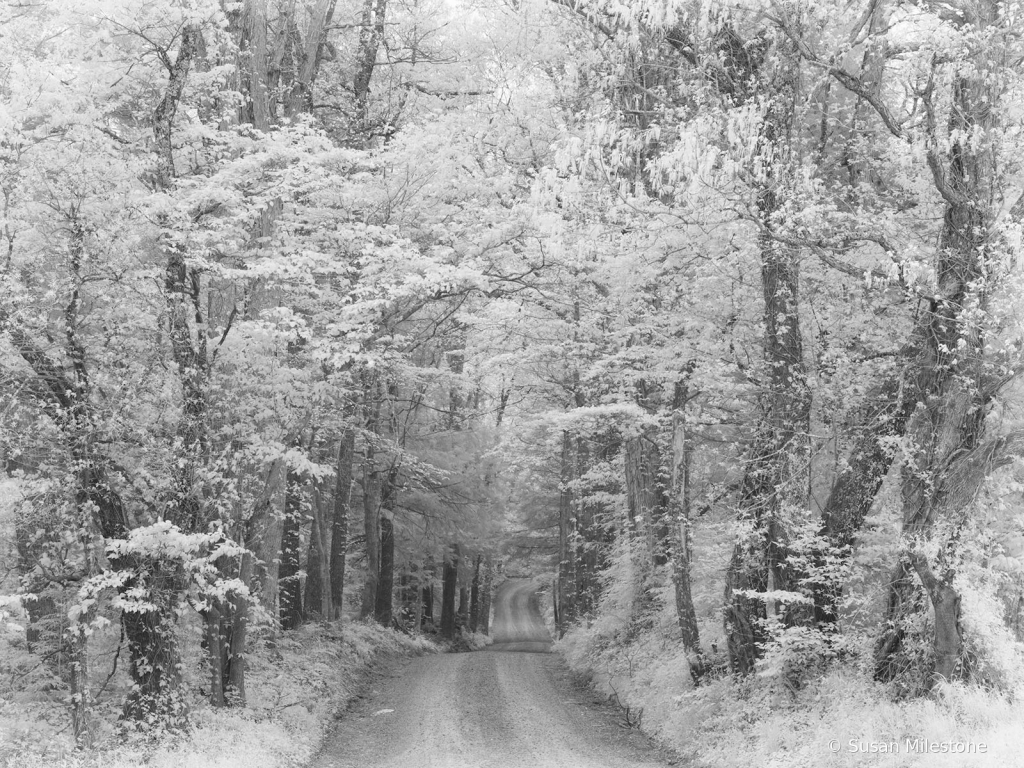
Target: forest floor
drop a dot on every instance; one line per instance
(514, 705)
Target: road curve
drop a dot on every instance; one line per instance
(510, 706)
(517, 624)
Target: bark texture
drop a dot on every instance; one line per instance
(565, 586)
(679, 514)
(290, 585)
(775, 480)
(339, 523)
(449, 590)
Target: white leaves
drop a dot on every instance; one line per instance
(164, 540)
(776, 596)
(147, 551)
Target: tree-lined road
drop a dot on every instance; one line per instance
(509, 706)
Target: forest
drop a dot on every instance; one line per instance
(321, 319)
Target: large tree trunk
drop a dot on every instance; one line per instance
(371, 530)
(237, 632)
(384, 605)
(153, 659)
(371, 33)
(226, 624)
(776, 476)
(339, 524)
(428, 603)
(462, 613)
(151, 600)
(315, 594)
(217, 651)
(449, 589)
(679, 504)
(290, 585)
(263, 533)
(948, 461)
(565, 593)
(254, 54)
(308, 56)
(474, 597)
(317, 597)
(414, 598)
(485, 599)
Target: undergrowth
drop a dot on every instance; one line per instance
(295, 688)
(803, 708)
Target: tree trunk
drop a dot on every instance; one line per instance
(317, 597)
(680, 504)
(485, 599)
(238, 628)
(150, 594)
(371, 33)
(308, 58)
(384, 605)
(428, 603)
(415, 606)
(316, 560)
(78, 687)
(263, 536)
(371, 529)
(372, 493)
(42, 631)
(776, 476)
(463, 612)
(153, 659)
(217, 652)
(339, 524)
(449, 588)
(291, 613)
(948, 461)
(566, 583)
(252, 46)
(474, 597)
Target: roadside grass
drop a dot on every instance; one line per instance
(295, 688)
(836, 716)
(839, 720)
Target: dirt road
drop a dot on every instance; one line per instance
(512, 705)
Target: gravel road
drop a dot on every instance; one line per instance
(513, 705)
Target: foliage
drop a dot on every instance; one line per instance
(608, 289)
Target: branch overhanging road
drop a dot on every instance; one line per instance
(512, 705)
